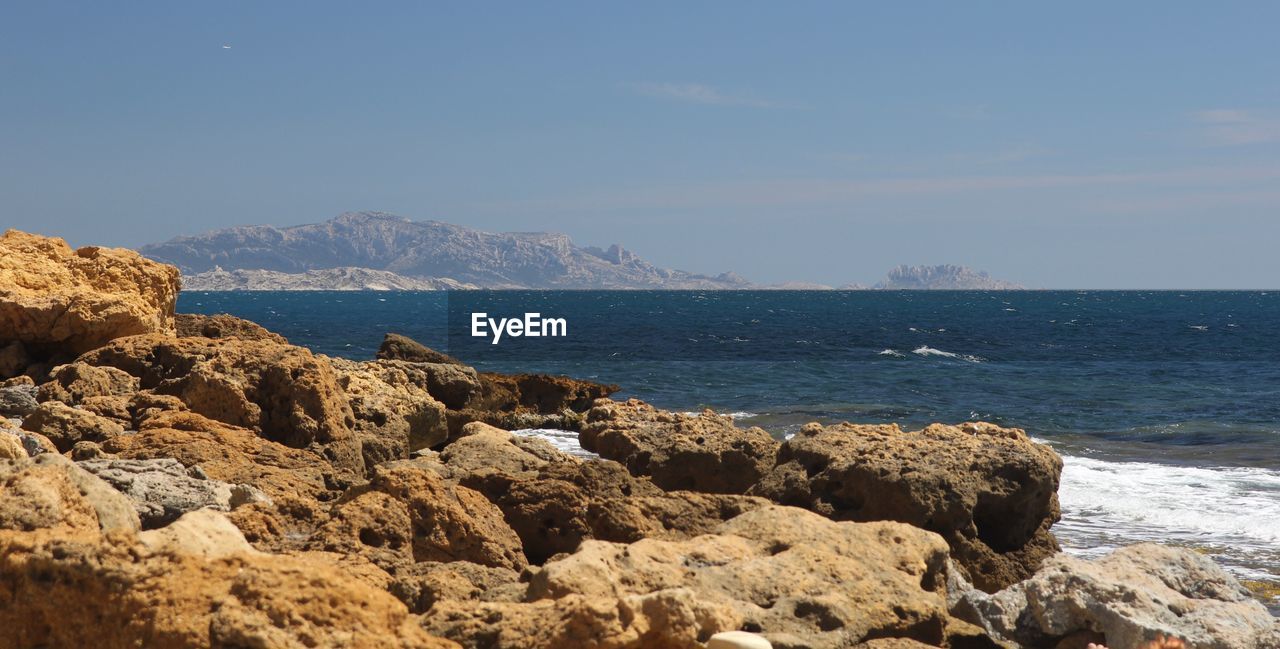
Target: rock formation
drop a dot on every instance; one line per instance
(989, 491)
(376, 250)
(947, 277)
(53, 298)
(700, 453)
(213, 485)
(1131, 597)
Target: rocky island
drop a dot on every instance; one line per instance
(171, 480)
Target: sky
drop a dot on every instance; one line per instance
(1059, 145)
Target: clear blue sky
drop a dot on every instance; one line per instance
(1082, 144)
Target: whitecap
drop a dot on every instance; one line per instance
(1232, 509)
(1199, 327)
(925, 350)
(892, 352)
(564, 440)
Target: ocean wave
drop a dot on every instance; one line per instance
(925, 350)
(732, 415)
(1228, 510)
(564, 440)
(892, 352)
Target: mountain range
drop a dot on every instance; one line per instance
(379, 251)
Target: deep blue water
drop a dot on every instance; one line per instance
(1165, 404)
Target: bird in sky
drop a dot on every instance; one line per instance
(226, 47)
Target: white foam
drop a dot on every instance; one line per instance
(564, 440)
(1232, 510)
(732, 415)
(925, 350)
(893, 352)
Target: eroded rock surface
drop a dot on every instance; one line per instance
(704, 453)
(284, 393)
(69, 543)
(56, 298)
(222, 325)
(990, 491)
(163, 489)
(1132, 596)
(790, 575)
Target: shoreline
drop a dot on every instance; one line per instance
(203, 475)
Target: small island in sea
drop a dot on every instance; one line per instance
(384, 252)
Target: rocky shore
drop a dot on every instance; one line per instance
(171, 480)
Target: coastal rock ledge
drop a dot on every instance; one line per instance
(211, 485)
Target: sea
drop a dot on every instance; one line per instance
(1165, 405)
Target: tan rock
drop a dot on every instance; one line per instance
(990, 491)
(11, 446)
(202, 533)
(187, 588)
(394, 410)
(421, 585)
(227, 453)
(282, 392)
(669, 619)
(698, 453)
(554, 501)
(792, 576)
(539, 393)
(56, 298)
(396, 347)
(65, 425)
(51, 493)
(74, 382)
(222, 325)
(408, 514)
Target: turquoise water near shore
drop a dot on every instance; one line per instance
(1165, 405)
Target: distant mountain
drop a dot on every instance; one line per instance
(328, 279)
(425, 249)
(945, 277)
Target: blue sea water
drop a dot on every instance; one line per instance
(1165, 405)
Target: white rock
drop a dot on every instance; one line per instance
(738, 640)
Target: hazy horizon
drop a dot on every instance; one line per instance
(1085, 146)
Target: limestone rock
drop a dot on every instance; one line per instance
(738, 640)
(421, 585)
(18, 400)
(408, 514)
(229, 454)
(50, 493)
(789, 575)
(394, 410)
(74, 382)
(164, 489)
(284, 393)
(990, 491)
(699, 453)
(540, 393)
(1131, 596)
(554, 501)
(199, 532)
(222, 325)
(193, 586)
(396, 347)
(32, 444)
(59, 299)
(64, 425)
(668, 619)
